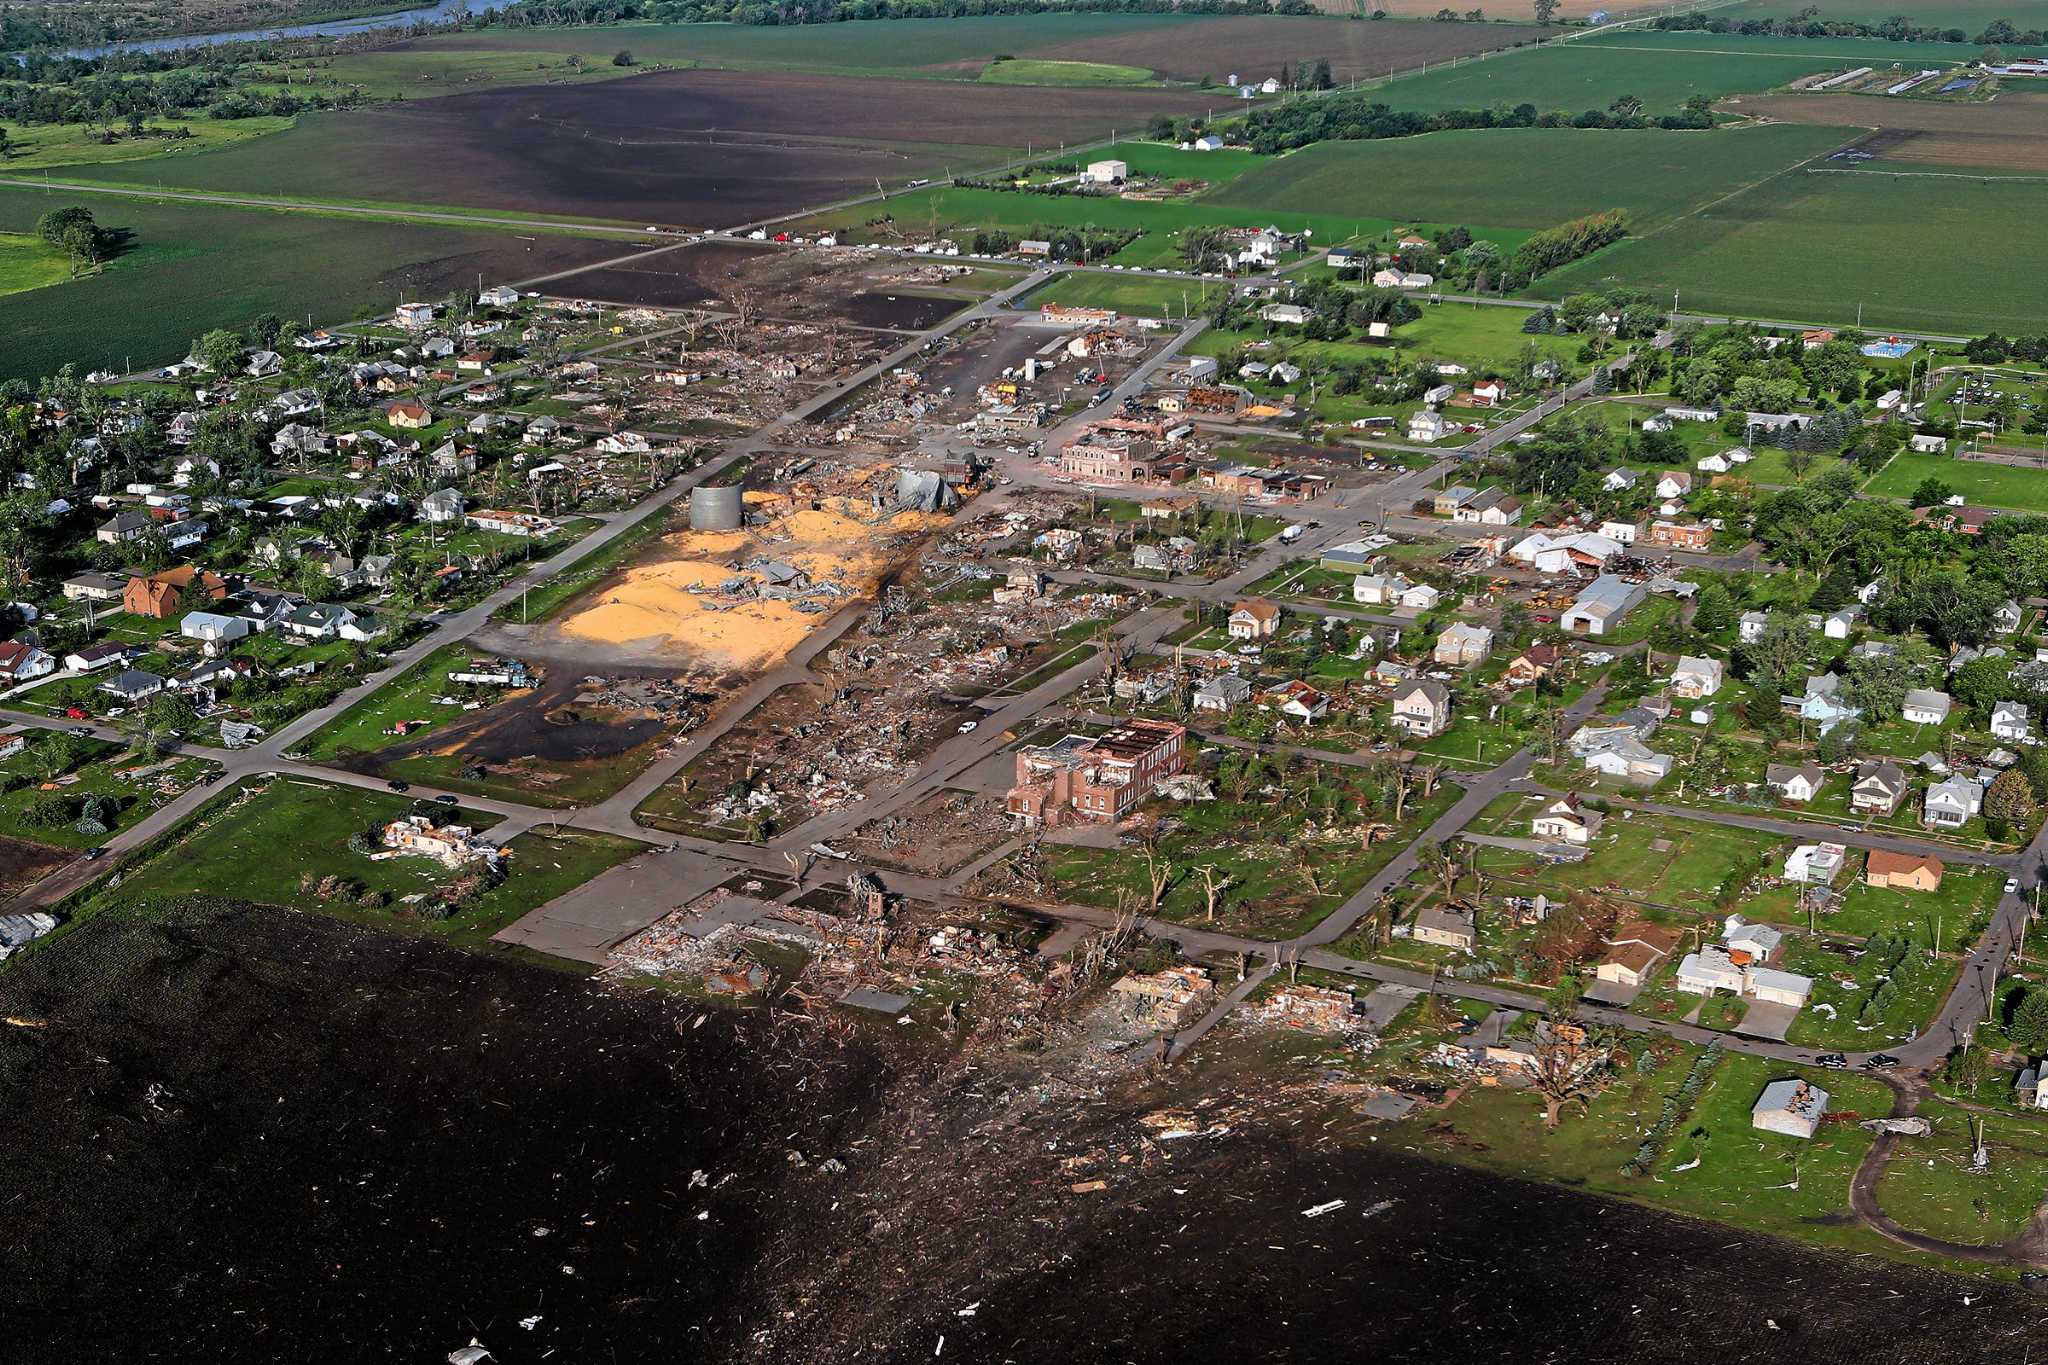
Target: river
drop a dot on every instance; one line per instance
(439, 13)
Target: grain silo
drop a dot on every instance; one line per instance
(715, 509)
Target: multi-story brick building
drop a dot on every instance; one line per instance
(1099, 778)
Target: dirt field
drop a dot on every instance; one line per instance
(23, 863)
(269, 1137)
(2009, 134)
(690, 148)
(800, 285)
(1254, 46)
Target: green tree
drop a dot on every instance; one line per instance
(52, 226)
(2010, 802)
(1932, 492)
(1715, 612)
(623, 57)
(2029, 1026)
(1546, 10)
(219, 351)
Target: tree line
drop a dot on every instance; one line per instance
(562, 13)
(1807, 24)
(1364, 118)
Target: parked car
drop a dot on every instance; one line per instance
(1833, 1061)
(1882, 1061)
(398, 786)
(2012, 886)
(967, 725)
(445, 800)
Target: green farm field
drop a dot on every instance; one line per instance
(1179, 47)
(193, 268)
(1044, 71)
(28, 262)
(1969, 15)
(1557, 173)
(1663, 70)
(1816, 246)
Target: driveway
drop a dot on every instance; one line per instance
(1767, 1021)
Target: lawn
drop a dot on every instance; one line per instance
(1868, 1013)
(1928, 1185)
(28, 262)
(261, 843)
(1283, 878)
(1042, 71)
(1559, 173)
(1960, 906)
(1744, 1177)
(1850, 229)
(37, 146)
(362, 728)
(1137, 295)
(127, 786)
(1477, 337)
(1991, 485)
(1674, 863)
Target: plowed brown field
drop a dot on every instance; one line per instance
(2007, 134)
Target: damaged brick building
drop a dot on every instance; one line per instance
(1099, 778)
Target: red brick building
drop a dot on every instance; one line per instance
(1100, 778)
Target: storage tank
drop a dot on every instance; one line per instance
(715, 509)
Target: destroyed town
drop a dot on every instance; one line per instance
(1031, 682)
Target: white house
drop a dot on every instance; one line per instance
(1674, 483)
(1707, 971)
(1225, 693)
(1928, 445)
(212, 629)
(1750, 628)
(1378, 589)
(1950, 804)
(1566, 821)
(1925, 706)
(1624, 756)
(1106, 172)
(1798, 784)
(1428, 425)
(1696, 677)
(1422, 708)
(1792, 1107)
(2011, 723)
(1622, 531)
(1815, 863)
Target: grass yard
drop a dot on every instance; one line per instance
(1991, 485)
(1960, 906)
(1559, 173)
(127, 786)
(957, 211)
(28, 262)
(258, 846)
(1744, 1177)
(1138, 295)
(1477, 337)
(1041, 71)
(361, 729)
(1677, 864)
(1868, 1013)
(1928, 1184)
(1283, 880)
(1850, 230)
